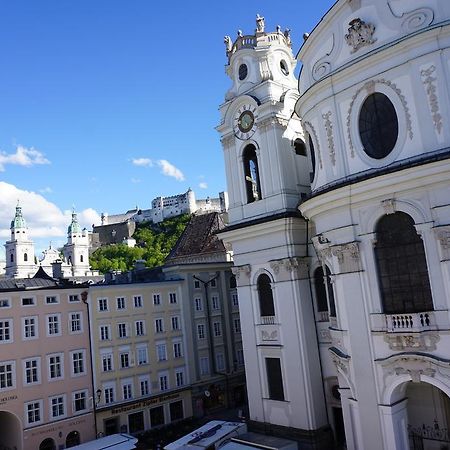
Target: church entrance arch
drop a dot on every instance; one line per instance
(428, 413)
(47, 444)
(10, 431)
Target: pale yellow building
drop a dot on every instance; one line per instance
(140, 372)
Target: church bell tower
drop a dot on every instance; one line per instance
(267, 173)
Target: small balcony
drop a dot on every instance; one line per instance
(410, 322)
(268, 331)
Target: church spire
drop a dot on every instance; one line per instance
(18, 221)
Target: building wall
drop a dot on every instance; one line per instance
(41, 348)
(156, 305)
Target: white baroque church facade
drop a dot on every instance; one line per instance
(339, 188)
(72, 261)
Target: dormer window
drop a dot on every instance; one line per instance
(251, 174)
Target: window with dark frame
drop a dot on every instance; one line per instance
(402, 266)
(265, 296)
(324, 291)
(274, 379)
(251, 173)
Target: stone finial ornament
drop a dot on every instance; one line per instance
(359, 34)
(260, 24)
(228, 43)
(239, 33)
(287, 35)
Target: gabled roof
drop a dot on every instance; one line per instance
(199, 242)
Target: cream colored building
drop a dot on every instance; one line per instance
(139, 352)
(45, 383)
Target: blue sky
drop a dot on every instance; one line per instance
(107, 104)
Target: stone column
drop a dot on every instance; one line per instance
(395, 422)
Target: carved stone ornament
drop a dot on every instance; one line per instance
(428, 81)
(269, 335)
(329, 129)
(272, 121)
(348, 257)
(389, 206)
(360, 34)
(443, 236)
(242, 273)
(228, 44)
(284, 268)
(414, 341)
(260, 24)
(228, 141)
(369, 86)
(415, 374)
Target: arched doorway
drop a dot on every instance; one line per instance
(72, 439)
(428, 413)
(10, 431)
(47, 444)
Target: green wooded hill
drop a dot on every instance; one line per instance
(154, 241)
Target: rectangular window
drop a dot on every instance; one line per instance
(144, 386)
(31, 371)
(124, 360)
(139, 327)
(217, 329)
(107, 365)
(215, 302)
(78, 363)
(55, 366)
(163, 383)
(142, 357)
(213, 283)
(28, 301)
(204, 366)
(156, 299)
(122, 330)
(240, 357)
(120, 302)
(179, 378)
(57, 407)
(5, 303)
(137, 299)
(172, 297)
(177, 353)
(7, 375)
(33, 412)
(159, 325)
(161, 351)
(196, 284)
(29, 326)
(75, 325)
(126, 391)
(109, 395)
(201, 331)
(274, 379)
(234, 299)
(5, 331)
(220, 362)
(53, 328)
(102, 304)
(157, 416)
(104, 332)
(175, 323)
(198, 304)
(176, 410)
(51, 299)
(74, 298)
(237, 325)
(79, 401)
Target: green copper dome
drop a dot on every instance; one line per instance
(74, 227)
(18, 221)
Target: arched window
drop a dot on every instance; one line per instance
(300, 147)
(265, 295)
(251, 174)
(12, 257)
(313, 158)
(81, 258)
(402, 267)
(72, 439)
(47, 444)
(324, 292)
(25, 257)
(232, 282)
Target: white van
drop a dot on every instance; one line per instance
(120, 441)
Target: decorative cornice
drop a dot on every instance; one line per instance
(347, 256)
(244, 270)
(294, 266)
(412, 342)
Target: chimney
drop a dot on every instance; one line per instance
(57, 269)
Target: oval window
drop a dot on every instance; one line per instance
(243, 72)
(284, 67)
(378, 126)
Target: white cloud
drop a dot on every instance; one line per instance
(44, 219)
(22, 157)
(143, 162)
(203, 185)
(170, 170)
(136, 180)
(46, 190)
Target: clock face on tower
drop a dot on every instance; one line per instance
(244, 122)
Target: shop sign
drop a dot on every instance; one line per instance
(144, 403)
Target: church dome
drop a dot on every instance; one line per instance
(74, 227)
